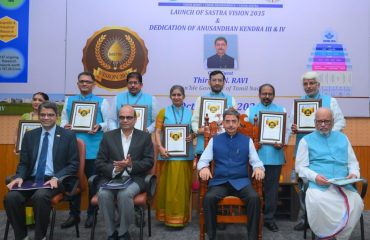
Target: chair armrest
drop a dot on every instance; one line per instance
(195, 162)
(92, 181)
(364, 188)
(8, 179)
(150, 184)
(63, 181)
(303, 185)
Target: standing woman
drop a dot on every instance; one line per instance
(37, 99)
(173, 194)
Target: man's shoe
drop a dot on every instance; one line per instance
(71, 221)
(272, 226)
(125, 236)
(89, 221)
(113, 236)
(299, 226)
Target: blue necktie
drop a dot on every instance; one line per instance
(40, 171)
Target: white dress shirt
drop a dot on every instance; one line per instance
(126, 142)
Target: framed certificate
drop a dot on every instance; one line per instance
(83, 116)
(214, 107)
(23, 127)
(141, 116)
(272, 127)
(174, 140)
(304, 114)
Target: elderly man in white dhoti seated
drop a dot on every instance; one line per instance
(322, 156)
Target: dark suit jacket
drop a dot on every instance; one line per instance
(65, 153)
(140, 150)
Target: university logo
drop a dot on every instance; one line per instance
(113, 52)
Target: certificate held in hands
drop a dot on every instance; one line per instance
(344, 181)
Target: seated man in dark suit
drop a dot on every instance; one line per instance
(232, 152)
(124, 152)
(47, 154)
(221, 59)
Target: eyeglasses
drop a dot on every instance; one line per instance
(133, 83)
(49, 115)
(309, 83)
(128, 118)
(267, 94)
(320, 122)
(84, 81)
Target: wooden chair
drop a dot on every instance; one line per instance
(78, 188)
(231, 209)
(303, 182)
(141, 201)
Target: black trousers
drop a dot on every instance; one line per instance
(270, 189)
(14, 203)
(247, 194)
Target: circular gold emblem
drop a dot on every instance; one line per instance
(113, 52)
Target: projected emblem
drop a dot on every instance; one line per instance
(113, 52)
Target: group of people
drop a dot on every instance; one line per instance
(116, 150)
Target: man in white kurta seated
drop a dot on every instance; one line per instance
(332, 211)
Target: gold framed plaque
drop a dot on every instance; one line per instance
(214, 107)
(174, 140)
(23, 127)
(83, 116)
(304, 114)
(141, 116)
(272, 127)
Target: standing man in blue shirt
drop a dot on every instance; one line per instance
(272, 156)
(86, 84)
(135, 96)
(311, 86)
(216, 82)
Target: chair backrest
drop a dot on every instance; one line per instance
(81, 170)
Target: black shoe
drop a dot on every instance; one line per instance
(125, 236)
(299, 226)
(89, 221)
(71, 221)
(271, 226)
(113, 236)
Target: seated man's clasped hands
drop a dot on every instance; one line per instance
(124, 153)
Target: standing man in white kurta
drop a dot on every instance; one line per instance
(323, 155)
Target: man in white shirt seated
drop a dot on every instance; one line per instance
(232, 152)
(332, 211)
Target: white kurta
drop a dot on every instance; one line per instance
(326, 210)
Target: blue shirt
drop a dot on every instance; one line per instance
(49, 170)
